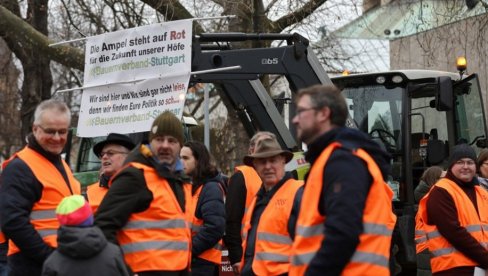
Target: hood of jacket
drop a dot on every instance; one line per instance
(351, 138)
(80, 242)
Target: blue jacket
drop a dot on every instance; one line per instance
(210, 208)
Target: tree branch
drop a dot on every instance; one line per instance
(308, 8)
(178, 11)
(15, 31)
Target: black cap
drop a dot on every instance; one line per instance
(461, 151)
(114, 138)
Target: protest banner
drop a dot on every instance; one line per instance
(157, 58)
(127, 108)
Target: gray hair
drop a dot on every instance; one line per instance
(51, 104)
(327, 96)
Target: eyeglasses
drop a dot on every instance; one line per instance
(301, 110)
(463, 163)
(111, 153)
(53, 132)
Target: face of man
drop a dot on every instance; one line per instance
(112, 157)
(52, 131)
(166, 149)
(305, 120)
(189, 161)
(270, 169)
(464, 169)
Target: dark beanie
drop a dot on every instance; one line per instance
(167, 124)
(461, 151)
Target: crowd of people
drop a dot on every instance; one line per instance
(163, 208)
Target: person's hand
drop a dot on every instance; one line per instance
(235, 268)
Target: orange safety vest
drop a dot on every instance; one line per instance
(273, 242)
(158, 238)
(373, 251)
(95, 195)
(444, 256)
(54, 189)
(253, 183)
(2, 237)
(213, 254)
(420, 235)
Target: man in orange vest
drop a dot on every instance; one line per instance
(269, 223)
(34, 180)
(112, 152)
(243, 186)
(147, 208)
(346, 217)
(454, 217)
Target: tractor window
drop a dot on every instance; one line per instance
(376, 110)
(469, 110)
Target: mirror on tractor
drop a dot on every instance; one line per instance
(444, 94)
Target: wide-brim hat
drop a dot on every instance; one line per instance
(267, 148)
(114, 138)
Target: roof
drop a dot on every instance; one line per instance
(410, 74)
(401, 18)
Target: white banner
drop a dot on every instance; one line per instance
(157, 57)
(138, 53)
(127, 108)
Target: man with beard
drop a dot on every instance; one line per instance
(147, 208)
(454, 217)
(346, 217)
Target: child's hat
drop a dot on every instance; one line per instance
(74, 211)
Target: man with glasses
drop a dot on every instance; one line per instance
(346, 218)
(454, 217)
(34, 181)
(112, 153)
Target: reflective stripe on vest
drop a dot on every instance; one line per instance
(213, 254)
(158, 238)
(95, 195)
(444, 255)
(273, 242)
(54, 189)
(373, 252)
(253, 183)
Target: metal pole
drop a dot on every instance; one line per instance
(206, 130)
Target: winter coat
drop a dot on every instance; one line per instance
(346, 184)
(210, 208)
(84, 251)
(19, 191)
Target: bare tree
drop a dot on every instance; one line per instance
(28, 38)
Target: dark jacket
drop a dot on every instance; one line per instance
(442, 212)
(84, 251)
(420, 191)
(262, 199)
(210, 208)
(19, 191)
(346, 183)
(234, 209)
(129, 193)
